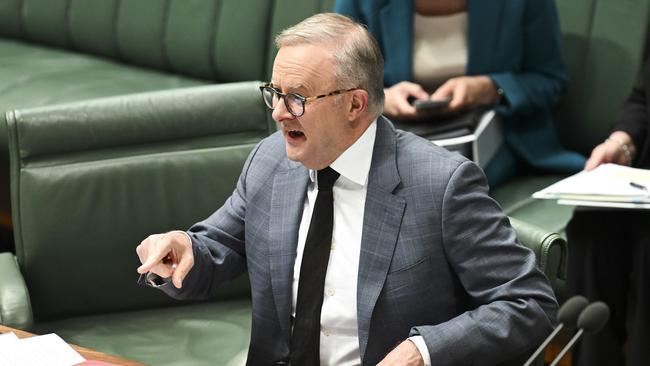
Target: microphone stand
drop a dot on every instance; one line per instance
(566, 348)
(543, 345)
(592, 319)
(568, 316)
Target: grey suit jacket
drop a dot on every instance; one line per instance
(438, 257)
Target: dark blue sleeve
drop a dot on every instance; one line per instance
(543, 77)
(349, 8)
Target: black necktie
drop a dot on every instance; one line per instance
(305, 340)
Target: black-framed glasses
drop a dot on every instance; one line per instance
(295, 103)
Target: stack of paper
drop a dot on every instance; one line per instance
(609, 185)
(47, 349)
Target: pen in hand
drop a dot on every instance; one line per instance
(638, 186)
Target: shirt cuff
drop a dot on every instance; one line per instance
(422, 347)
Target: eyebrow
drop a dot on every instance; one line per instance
(291, 88)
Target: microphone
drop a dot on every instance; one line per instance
(592, 319)
(568, 317)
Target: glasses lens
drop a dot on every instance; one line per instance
(295, 104)
(270, 97)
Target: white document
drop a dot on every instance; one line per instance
(609, 185)
(8, 338)
(47, 349)
(604, 204)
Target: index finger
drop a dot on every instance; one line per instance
(458, 97)
(446, 90)
(154, 257)
(594, 160)
(416, 91)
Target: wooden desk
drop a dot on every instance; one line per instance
(87, 353)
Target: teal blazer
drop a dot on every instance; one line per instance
(517, 44)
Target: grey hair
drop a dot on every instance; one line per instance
(359, 62)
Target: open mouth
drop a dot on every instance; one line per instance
(295, 134)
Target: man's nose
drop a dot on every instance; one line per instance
(281, 113)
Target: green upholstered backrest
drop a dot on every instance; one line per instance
(60, 51)
(91, 180)
(604, 41)
(220, 40)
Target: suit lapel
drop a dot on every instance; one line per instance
(381, 224)
(484, 18)
(288, 196)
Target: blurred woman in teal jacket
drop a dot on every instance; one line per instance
(514, 62)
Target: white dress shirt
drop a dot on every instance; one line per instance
(339, 338)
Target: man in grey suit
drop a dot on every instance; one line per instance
(421, 267)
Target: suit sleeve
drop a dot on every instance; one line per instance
(218, 245)
(512, 306)
(542, 79)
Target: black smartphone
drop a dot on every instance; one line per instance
(428, 104)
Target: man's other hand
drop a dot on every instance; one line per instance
(406, 353)
(167, 255)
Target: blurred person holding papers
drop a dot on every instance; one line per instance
(610, 248)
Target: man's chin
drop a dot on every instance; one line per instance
(293, 154)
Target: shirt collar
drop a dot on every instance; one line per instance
(354, 162)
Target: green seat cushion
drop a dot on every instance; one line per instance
(215, 333)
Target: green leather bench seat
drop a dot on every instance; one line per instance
(90, 180)
(56, 51)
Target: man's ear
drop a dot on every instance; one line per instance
(358, 103)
